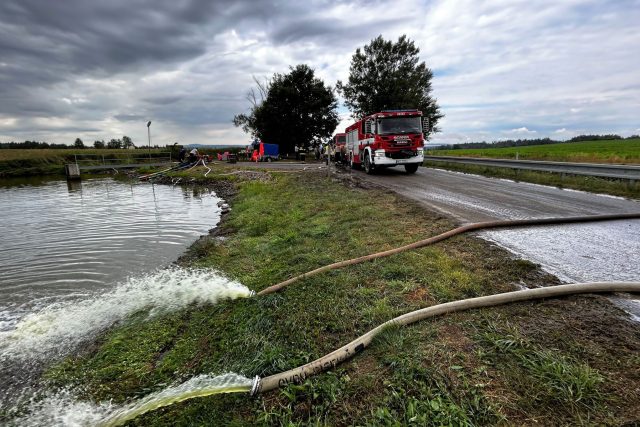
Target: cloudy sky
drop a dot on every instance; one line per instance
(502, 69)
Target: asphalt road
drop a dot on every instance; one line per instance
(607, 251)
(473, 198)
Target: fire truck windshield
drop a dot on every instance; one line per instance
(396, 125)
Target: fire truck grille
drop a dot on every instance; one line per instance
(404, 154)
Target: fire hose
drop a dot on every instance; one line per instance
(329, 361)
(454, 232)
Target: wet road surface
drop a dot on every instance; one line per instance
(607, 251)
(474, 198)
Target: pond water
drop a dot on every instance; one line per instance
(63, 240)
(76, 257)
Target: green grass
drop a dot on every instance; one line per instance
(549, 376)
(440, 372)
(615, 151)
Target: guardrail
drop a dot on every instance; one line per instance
(119, 160)
(588, 169)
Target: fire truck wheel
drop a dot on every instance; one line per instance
(411, 168)
(368, 167)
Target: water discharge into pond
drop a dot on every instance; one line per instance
(60, 327)
(75, 259)
(64, 410)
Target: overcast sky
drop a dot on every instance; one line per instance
(502, 69)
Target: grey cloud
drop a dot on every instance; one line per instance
(163, 100)
(330, 32)
(43, 43)
(187, 64)
(129, 117)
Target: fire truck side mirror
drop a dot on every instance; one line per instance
(425, 126)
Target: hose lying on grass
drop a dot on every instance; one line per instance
(178, 167)
(454, 232)
(299, 374)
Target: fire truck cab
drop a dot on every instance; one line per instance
(386, 139)
(339, 143)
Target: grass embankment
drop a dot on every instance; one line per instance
(572, 360)
(625, 151)
(46, 161)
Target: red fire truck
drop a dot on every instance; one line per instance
(387, 139)
(339, 143)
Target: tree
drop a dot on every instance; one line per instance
(127, 142)
(114, 143)
(386, 76)
(256, 97)
(78, 143)
(98, 144)
(293, 109)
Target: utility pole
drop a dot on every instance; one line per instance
(149, 136)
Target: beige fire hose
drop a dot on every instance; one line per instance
(454, 232)
(299, 374)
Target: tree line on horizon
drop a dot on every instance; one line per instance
(124, 142)
(538, 141)
(116, 144)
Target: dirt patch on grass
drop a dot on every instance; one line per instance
(420, 295)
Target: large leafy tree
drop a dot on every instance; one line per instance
(291, 109)
(127, 142)
(385, 76)
(78, 143)
(114, 143)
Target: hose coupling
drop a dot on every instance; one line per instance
(255, 388)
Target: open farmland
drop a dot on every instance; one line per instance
(625, 151)
(63, 153)
(48, 161)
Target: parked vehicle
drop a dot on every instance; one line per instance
(340, 149)
(263, 152)
(386, 139)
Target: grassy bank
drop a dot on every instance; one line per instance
(32, 162)
(622, 188)
(567, 361)
(625, 151)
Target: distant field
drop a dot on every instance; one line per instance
(48, 161)
(49, 153)
(615, 151)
